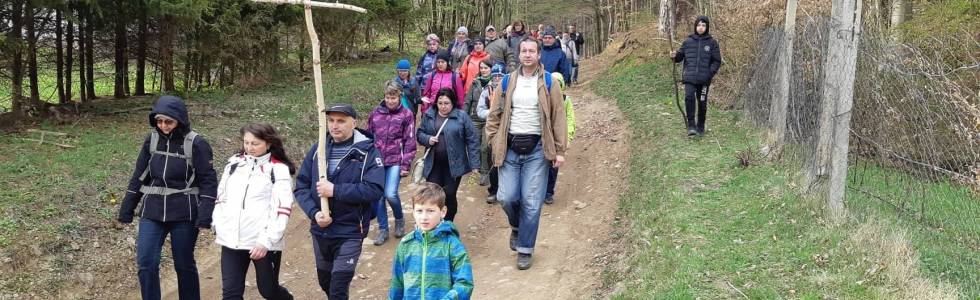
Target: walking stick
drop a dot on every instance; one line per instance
(318, 84)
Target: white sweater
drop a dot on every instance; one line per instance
(251, 209)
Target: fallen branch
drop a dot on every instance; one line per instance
(48, 142)
(45, 132)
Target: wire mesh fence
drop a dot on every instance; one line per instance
(915, 128)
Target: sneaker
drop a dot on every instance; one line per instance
(382, 237)
(549, 200)
(513, 240)
(691, 131)
(399, 228)
(523, 261)
(492, 199)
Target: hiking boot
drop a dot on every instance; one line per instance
(549, 200)
(513, 240)
(691, 131)
(700, 131)
(484, 179)
(523, 261)
(399, 228)
(382, 237)
(492, 199)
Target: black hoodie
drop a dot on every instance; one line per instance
(701, 55)
(172, 172)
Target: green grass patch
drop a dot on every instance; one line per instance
(703, 227)
(53, 197)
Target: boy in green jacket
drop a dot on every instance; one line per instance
(431, 262)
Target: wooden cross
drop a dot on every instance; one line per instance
(318, 81)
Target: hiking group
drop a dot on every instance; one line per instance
(492, 105)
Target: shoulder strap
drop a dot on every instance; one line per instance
(547, 83)
(154, 140)
(503, 83)
(189, 155)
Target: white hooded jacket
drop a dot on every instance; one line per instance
(252, 209)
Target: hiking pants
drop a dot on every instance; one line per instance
(149, 242)
(696, 95)
(234, 267)
(336, 260)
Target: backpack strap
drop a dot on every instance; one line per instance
(189, 155)
(154, 140)
(547, 84)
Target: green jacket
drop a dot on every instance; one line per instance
(570, 116)
(431, 265)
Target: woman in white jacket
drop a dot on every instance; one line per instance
(255, 199)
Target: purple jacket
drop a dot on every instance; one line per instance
(394, 135)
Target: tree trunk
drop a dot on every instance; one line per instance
(59, 57)
(14, 39)
(31, 54)
(141, 53)
(168, 31)
(836, 101)
(901, 12)
(780, 94)
(90, 58)
(82, 79)
(187, 70)
(69, 51)
(122, 68)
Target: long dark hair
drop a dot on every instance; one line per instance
(268, 134)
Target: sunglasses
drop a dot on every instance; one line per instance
(167, 122)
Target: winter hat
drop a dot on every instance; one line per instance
(462, 29)
(480, 40)
(444, 55)
(559, 78)
(497, 70)
(549, 31)
(490, 27)
(403, 65)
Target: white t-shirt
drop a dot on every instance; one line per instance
(525, 117)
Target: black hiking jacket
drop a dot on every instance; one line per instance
(701, 56)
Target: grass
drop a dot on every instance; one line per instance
(53, 199)
(703, 227)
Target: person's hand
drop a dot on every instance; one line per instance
(403, 173)
(324, 188)
(433, 140)
(258, 252)
(673, 54)
(322, 219)
(559, 160)
(426, 100)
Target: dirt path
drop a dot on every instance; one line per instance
(571, 236)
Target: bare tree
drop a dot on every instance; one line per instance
(780, 94)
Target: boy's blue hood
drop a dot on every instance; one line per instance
(171, 106)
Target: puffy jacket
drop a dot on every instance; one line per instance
(554, 60)
(470, 69)
(701, 56)
(358, 184)
(438, 80)
(252, 209)
(500, 51)
(171, 171)
(462, 141)
(431, 265)
(394, 135)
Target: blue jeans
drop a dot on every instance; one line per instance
(522, 183)
(392, 177)
(149, 243)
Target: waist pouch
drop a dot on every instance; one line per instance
(523, 144)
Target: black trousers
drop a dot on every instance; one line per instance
(696, 95)
(234, 266)
(336, 259)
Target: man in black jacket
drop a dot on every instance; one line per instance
(579, 40)
(702, 58)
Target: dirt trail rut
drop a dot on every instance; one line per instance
(572, 233)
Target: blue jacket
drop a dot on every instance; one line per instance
(172, 172)
(701, 56)
(358, 184)
(463, 142)
(554, 60)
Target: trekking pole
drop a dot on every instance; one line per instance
(673, 73)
